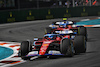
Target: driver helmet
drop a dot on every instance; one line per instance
(49, 37)
(62, 26)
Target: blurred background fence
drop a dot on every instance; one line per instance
(36, 4)
(23, 10)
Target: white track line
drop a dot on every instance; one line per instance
(85, 20)
(96, 26)
(13, 59)
(1, 64)
(98, 17)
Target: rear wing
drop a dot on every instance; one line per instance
(63, 32)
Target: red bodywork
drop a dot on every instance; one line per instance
(46, 43)
(68, 28)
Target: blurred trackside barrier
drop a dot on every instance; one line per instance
(47, 13)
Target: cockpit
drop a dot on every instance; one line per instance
(51, 36)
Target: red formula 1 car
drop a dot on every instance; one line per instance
(80, 30)
(66, 43)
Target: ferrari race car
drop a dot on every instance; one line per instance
(63, 23)
(66, 43)
(68, 25)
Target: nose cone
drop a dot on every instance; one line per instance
(41, 53)
(43, 49)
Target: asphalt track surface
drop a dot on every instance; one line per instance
(30, 29)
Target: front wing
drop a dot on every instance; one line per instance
(35, 53)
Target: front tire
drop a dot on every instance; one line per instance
(24, 49)
(66, 48)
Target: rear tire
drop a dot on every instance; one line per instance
(66, 48)
(80, 44)
(82, 31)
(48, 30)
(53, 23)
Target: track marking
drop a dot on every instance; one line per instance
(85, 20)
(13, 59)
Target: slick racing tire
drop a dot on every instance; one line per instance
(48, 30)
(24, 49)
(79, 44)
(66, 48)
(82, 31)
(54, 23)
